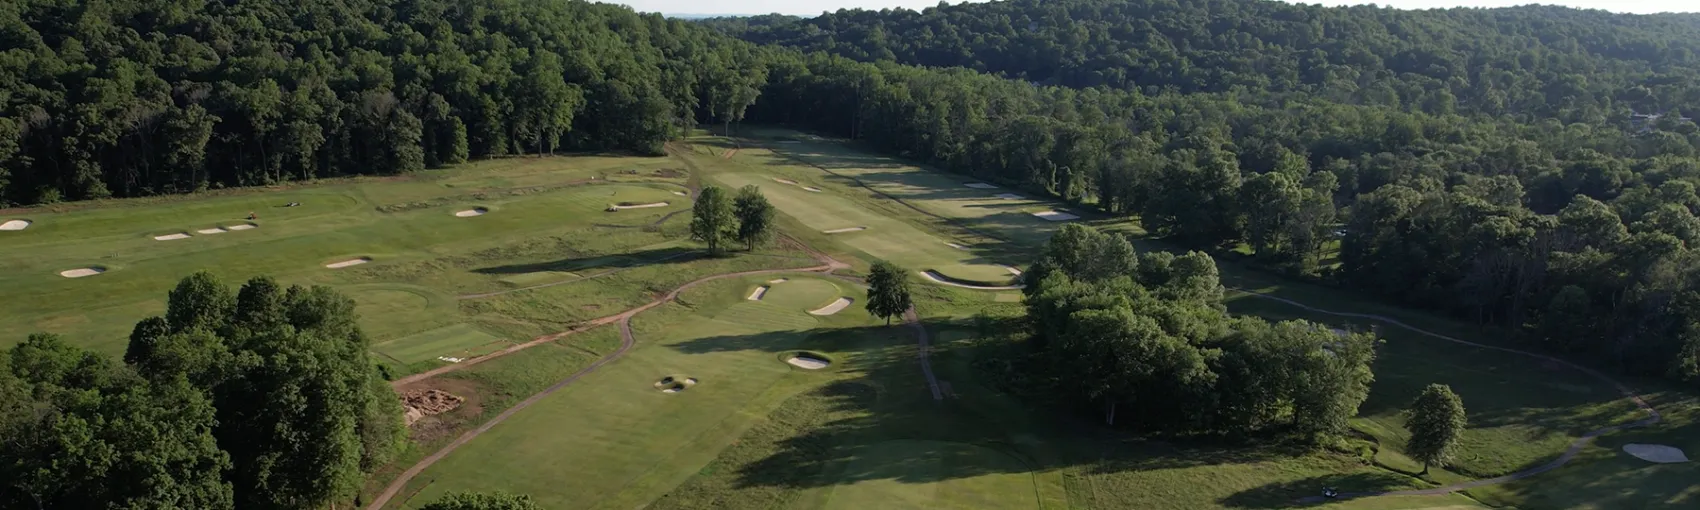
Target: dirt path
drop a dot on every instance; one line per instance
(1569, 454)
(627, 341)
(914, 321)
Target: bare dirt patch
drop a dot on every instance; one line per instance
(428, 402)
(443, 424)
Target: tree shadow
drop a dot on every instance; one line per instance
(1309, 490)
(673, 255)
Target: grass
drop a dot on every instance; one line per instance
(457, 341)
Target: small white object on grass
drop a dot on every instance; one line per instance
(834, 307)
(15, 225)
(79, 273)
(172, 237)
(980, 185)
(1656, 453)
(843, 230)
(349, 262)
(1055, 216)
(757, 294)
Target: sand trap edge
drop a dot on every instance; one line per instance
(843, 230)
(348, 263)
(757, 294)
(172, 237)
(472, 213)
(833, 307)
(79, 273)
(16, 225)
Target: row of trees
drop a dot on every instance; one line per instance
(133, 98)
(263, 399)
(1148, 332)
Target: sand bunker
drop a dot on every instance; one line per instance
(1055, 216)
(957, 246)
(778, 280)
(675, 384)
(1012, 270)
(349, 262)
(240, 227)
(811, 189)
(843, 230)
(681, 193)
(211, 231)
(757, 294)
(1657, 453)
(422, 403)
(79, 273)
(15, 225)
(785, 181)
(476, 211)
(1010, 196)
(636, 206)
(935, 277)
(807, 362)
(172, 237)
(835, 307)
(980, 185)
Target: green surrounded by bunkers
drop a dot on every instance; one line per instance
(778, 389)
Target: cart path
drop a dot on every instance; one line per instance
(914, 320)
(1576, 446)
(627, 341)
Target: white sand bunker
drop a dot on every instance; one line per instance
(172, 237)
(349, 262)
(1012, 270)
(79, 273)
(778, 280)
(243, 226)
(811, 189)
(835, 307)
(476, 211)
(954, 245)
(675, 384)
(211, 231)
(15, 225)
(843, 230)
(1010, 196)
(617, 207)
(935, 277)
(757, 294)
(807, 362)
(1055, 216)
(980, 185)
(681, 193)
(784, 181)
(1657, 453)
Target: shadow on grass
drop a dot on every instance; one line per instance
(674, 255)
(1287, 494)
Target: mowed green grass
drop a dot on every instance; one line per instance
(420, 248)
(886, 238)
(612, 439)
(458, 341)
(805, 293)
(905, 474)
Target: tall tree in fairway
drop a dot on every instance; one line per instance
(755, 217)
(888, 291)
(1436, 423)
(713, 221)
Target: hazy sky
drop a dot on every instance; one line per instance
(812, 7)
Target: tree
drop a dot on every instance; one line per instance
(1436, 421)
(713, 220)
(483, 501)
(888, 291)
(755, 217)
(198, 301)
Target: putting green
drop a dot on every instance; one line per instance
(932, 474)
(457, 341)
(802, 293)
(886, 238)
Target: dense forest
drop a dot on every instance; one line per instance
(138, 97)
(1552, 211)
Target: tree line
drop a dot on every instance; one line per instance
(261, 398)
(133, 98)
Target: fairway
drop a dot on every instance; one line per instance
(920, 475)
(886, 238)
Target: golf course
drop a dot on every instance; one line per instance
(599, 358)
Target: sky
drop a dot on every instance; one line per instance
(813, 7)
